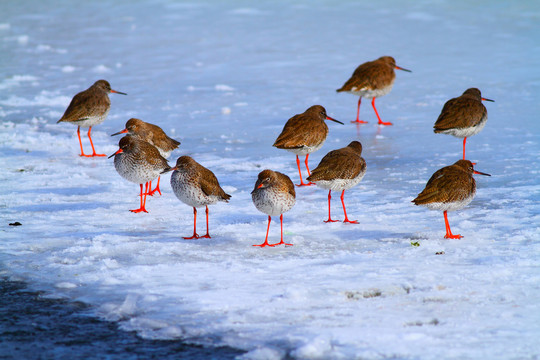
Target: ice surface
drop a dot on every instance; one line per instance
(223, 77)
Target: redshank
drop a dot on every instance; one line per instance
(371, 80)
(196, 186)
(340, 170)
(88, 108)
(303, 134)
(154, 135)
(450, 188)
(139, 162)
(463, 116)
(273, 195)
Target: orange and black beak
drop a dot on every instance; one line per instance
(120, 132)
(170, 169)
(484, 99)
(339, 122)
(117, 152)
(480, 173)
(403, 69)
(118, 92)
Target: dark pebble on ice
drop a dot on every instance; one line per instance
(16, 223)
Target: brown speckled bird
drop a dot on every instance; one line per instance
(139, 162)
(88, 108)
(463, 116)
(372, 80)
(196, 186)
(450, 188)
(152, 134)
(340, 170)
(303, 134)
(273, 195)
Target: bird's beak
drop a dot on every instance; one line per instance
(403, 69)
(167, 170)
(117, 152)
(118, 92)
(120, 132)
(484, 99)
(339, 122)
(480, 173)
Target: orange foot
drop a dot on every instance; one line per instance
(359, 122)
(265, 244)
(94, 154)
(386, 123)
(350, 222)
(304, 184)
(452, 236)
(195, 236)
(139, 210)
(330, 220)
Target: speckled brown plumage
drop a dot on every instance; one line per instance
(370, 80)
(340, 170)
(152, 134)
(196, 186)
(139, 162)
(450, 188)
(88, 108)
(273, 195)
(304, 133)
(463, 116)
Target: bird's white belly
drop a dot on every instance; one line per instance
(92, 120)
(372, 93)
(273, 203)
(138, 173)
(304, 150)
(468, 131)
(449, 206)
(188, 192)
(340, 184)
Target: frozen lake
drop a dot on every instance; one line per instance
(223, 78)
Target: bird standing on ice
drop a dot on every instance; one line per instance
(273, 195)
(139, 162)
(450, 188)
(196, 186)
(371, 80)
(303, 134)
(463, 116)
(88, 108)
(340, 170)
(152, 134)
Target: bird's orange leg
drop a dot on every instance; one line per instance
(330, 198)
(282, 242)
(195, 235)
(358, 121)
(80, 141)
(265, 243)
(143, 200)
(207, 236)
(151, 193)
(377, 113)
(302, 183)
(91, 143)
(345, 211)
(449, 234)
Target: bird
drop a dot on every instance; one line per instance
(152, 134)
(450, 188)
(463, 116)
(303, 134)
(196, 186)
(139, 162)
(88, 108)
(371, 80)
(273, 195)
(340, 170)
